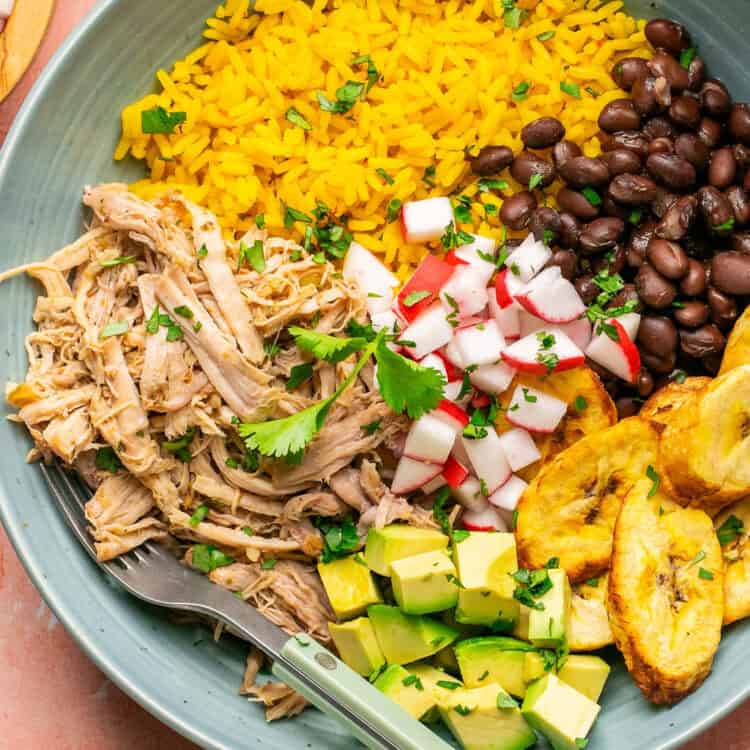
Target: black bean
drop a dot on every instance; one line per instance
(563, 151)
(678, 218)
(692, 314)
(670, 35)
(619, 114)
(621, 161)
(730, 272)
(644, 98)
(653, 288)
(526, 165)
(693, 283)
(627, 294)
(716, 209)
(661, 146)
(542, 133)
(710, 132)
(696, 73)
(491, 160)
(741, 242)
(668, 258)
(632, 140)
(702, 341)
(612, 261)
(659, 127)
(628, 70)
(723, 168)
(577, 204)
(639, 242)
(657, 334)
(545, 220)
(516, 211)
(661, 364)
(663, 201)
(582, 171)
(740, 201)
(712, 363)
(715, 99)
(601, 234)
(723, 307)
(663, 65)
(693, 149)
(614, 209)
(567, 261)
(746, 181)
(671, 170)
(686, 112)
(741, 156)
(570, 231)
(586, 288)
(627, 406)
(632, 189)
(739, 123)
(644, 383)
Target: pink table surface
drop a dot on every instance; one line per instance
(52, 695)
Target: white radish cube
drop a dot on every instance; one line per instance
(453, 355)
(430, 439)
(507, 496)
(386, 319)
(422, 221)
(471, 254)
(578, 331)
(631, 322)
(372, 277)
(454, 416)
(620, 357)
(469, 494)
(519, 448)
(460, 454)
(433, 485)
(488, 519)
(488, 460)
(507, 286)
(494, 378)
(529, 258)
(465, 294)
(551, 297)
(534, 410)
(411, 475)
(480, 344)
(530, 323)
(433, 362)
(540, 353)
(508, 318)
(452, 390)
(429, 332)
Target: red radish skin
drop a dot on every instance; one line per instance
(456, 413)
(411, 475)
(502, 293)
(471, 527)
(528, 304)
(452, 372)
(454, 260)
(629, 349)
(480, 400)
(536, 368)
(453, 473)
(431, 275)
(483, 520)
(523, 354)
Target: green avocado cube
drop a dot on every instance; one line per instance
(563, 715)
(521, 626)
(548, 626)
(446, 659)
(406, 689)
(350, 586)
(484, 561)
(385, 546)
(587, 674)
(436, 681)
(406, 638)
(485, 718)
(425, 583)
(494, 659)
(534, 667)
(357, 645)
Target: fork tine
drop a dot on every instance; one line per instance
(74, 487)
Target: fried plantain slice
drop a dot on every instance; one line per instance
(590, 410)
(666, 594)
(589, 621)
(570, 509)
(737, 350)
(704, 453)
(733, 527)
(662, 403)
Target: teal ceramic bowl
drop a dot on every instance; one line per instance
(63, 139)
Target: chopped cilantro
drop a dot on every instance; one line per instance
(108, 460)
(119, 261)
(180, 447)
(726, 226)
(338, 540)
(580, 403)
(687, 56)
(346, 97)
(459, 535)
(545, 36)
(462, 710)
(299, 374)
(706, 575)
(207, 558)
(521, 91)
(118, 328)
(253, 255)
(593, 582)
(384, 175)
(592, 196)
(373, 75)
(572, 89)
(372, 427)
(260, 221)
(200, 514)
(292, 215)
(462, 209)
(535, 180)
(653, 475)
(159, 121)
(269, 564)
(412, 298)
(730, 530)
(487, 184)
(393, 210)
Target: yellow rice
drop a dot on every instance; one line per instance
(448, 68)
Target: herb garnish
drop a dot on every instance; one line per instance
(180, 447)
(412, 679)
(296, 118)
(338, 540)
(159, 121)
(687, 56)
(393, 211)
(532, 584)
(207, 558)
(730, 530)
(252, 255)
(373, 76)
(384, 175)
(706, 575)
(521, 91)
(506, 701)
(653, 475)
(200, 514)
(452, 239)
(572, 89)
(580, 403)
(298, 375)
(120, 261)
(118, 328)
(108, 460)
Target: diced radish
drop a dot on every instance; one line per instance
(551, 297)
(411, 475)
(386, 319)
(481, 344)
(507, 496)
(535, 352)
(519, 448)
(434, 485)
(454, 473)
(631, 322)
(507, 285)
(465, 294)
(508, 318)
(487, 459)
(434, 362)
(488, 519)
(452, 415)
(452, 390)
(578, 331)
(430, 439)
(471, 254)
(372, 277)
(454, 260)
(453, 355)
(529, 258)
(460, 454)
(494, 378)
(480, 400)
(422, 221)
(451, 371)
(530, 323)
(430, 277)
(620, 357)
(534, 410)
(469, 494)
(429, 332)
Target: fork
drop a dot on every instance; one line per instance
(153, 574)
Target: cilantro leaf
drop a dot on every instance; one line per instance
(730, 530)
(653, 475)
(158, 120)
(332, 349)
(118, 328)
(296, 118)
(207, 558)
(120, 261)
(107, 460)
(299, 374)
(338, 540)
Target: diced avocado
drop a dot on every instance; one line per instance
(477, 720)
(406, 689)
(437, 681)
(521, 627)
(357, 645)
(548, 626)
(425, 583)
(494, 659)
(350, 586)
(587, 674)
(560, 713)
(446, 659)
(385, 546)
(406, 638)
(534, 667)
(484, 561)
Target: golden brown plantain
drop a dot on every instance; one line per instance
(737, 350)
(733, 526)
(595, 410)
(666, 594)
(570, 509)
(589, 621)
(704, 452)
(661, 404)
